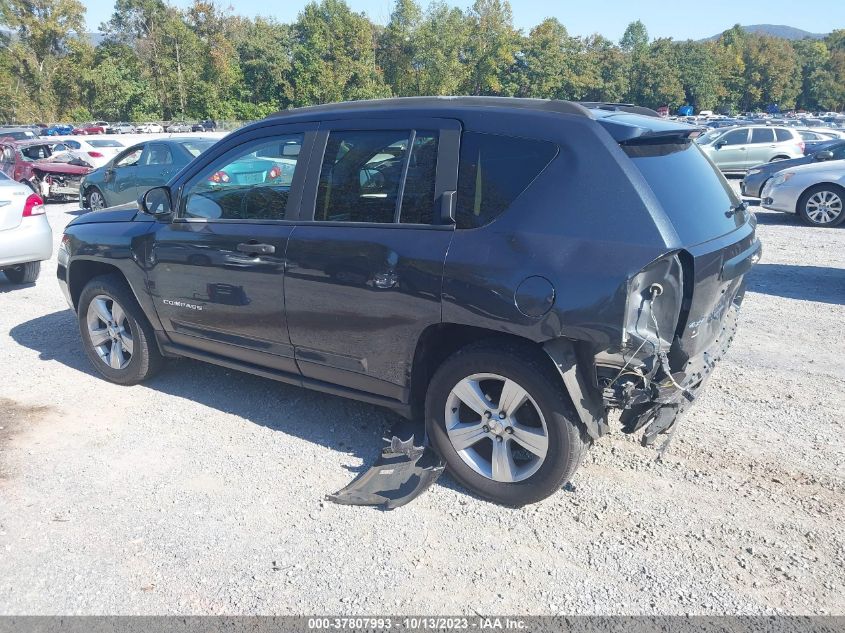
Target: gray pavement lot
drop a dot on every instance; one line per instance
(201, 491)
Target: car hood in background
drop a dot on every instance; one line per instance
(121, 213)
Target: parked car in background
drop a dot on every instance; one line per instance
(149, 128)
(59, 129)
(95, 152)
(740, 148)
(758, 175)
(29, 162)
(816, 192)
(123, 128)
(204, 126)
(97, 127)
(25, 236)
(383, 256)
(18, 133)
(138, 168)
(178, 127)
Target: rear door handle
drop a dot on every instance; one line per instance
(253, 248)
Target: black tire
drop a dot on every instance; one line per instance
(91, 192)
(23, 273)
(804, 201)
(145, 359)
(567, 440)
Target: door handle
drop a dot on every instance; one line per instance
(253, 248)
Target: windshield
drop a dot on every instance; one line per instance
(693, 193)
(104, 143)
(195, 148)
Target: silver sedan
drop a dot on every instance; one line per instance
(25, 236)
(816, 192)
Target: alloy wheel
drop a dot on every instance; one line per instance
(110, 332)
(496, 427)
(96, 201)
(824, 207)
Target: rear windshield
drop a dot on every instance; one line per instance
(693, 193)
(195, 148)
(104, 143)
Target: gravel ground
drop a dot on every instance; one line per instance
(201, 492)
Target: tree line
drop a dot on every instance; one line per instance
(157, 62)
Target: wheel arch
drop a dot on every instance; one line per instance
(824, 183)
(562, 358)
(81, 271)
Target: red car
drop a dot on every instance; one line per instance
(97, 127)
(29, 162)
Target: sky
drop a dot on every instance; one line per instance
(663, 18)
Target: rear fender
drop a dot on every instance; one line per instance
(574, 371)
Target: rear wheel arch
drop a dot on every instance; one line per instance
(779, 157)
(440, 341)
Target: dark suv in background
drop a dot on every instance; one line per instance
(507, 269)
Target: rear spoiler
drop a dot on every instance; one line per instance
(637, 128)
(630, 108)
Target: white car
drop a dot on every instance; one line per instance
(816, 192)
(25, 236)
(96, 152)
(149, 128)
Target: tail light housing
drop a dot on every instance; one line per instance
(802, 146)
(655, 296)
(95, 154)
(219, 177)
(275, 172)
(33, 205)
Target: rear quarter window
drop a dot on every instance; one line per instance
(694, 195)
(783, 135)
(493, 171)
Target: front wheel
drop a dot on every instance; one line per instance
(116, 335)
(23, 273)
(503, 423)
(822, 205)
(95, 199)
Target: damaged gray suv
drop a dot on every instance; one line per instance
(505, 270)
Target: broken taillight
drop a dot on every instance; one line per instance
(34, 205)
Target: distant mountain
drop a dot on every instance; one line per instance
(778, 30)
(95, 38)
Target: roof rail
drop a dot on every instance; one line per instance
(630, 108)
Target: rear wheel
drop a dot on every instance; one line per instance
(116, 335)
(822, 205)
(503, 423)
(23, 273)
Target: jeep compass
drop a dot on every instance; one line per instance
(507, 270)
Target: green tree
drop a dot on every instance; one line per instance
(441, 52)
(547, 63)
(333, 56)
(398, 48)
(491, 51)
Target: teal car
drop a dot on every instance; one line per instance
(138, 168)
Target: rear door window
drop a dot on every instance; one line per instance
(493, 171)
(762, 135)
(369, 176)
(692, 192)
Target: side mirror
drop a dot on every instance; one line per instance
(156, 202)
(720, 144)
(823, 155)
